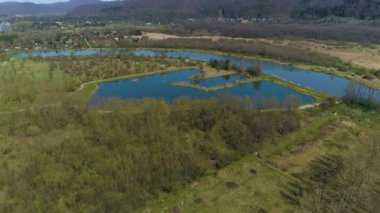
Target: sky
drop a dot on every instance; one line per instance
(39, 1)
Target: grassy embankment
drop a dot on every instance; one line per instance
(340, 130)
(264, 77)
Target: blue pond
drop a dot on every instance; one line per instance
(322, 82)
(159, 86)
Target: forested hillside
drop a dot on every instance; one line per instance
(168, 10)
(362, 9)
(164, 10)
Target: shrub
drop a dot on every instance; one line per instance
(257, 70)
(360, 96)
(32, 131)
(369, 77)
(377, 74)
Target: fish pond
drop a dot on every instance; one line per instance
(318, 81)
(160, 86)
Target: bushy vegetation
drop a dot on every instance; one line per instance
(377, 74)
(65, 158)
(256, 70)
(223, 64)
(103, 67)
(361, 96)
(8, 40)
(337, 144)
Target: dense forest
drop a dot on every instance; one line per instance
(361, 9)
(169, 10)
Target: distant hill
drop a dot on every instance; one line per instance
(167, 10)
(161, 10)
(32, 9)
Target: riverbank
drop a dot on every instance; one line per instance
(349, 74)
(301, 89)
(349, 52)
(355, 55)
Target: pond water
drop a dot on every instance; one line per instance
(322, 82)
(159, 86)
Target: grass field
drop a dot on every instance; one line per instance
(26, 83)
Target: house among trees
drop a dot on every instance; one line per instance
(5, 26)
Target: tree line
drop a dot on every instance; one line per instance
(360, 9)
(289, 54)
(256, 70)
(330, 29)
(92, 68)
